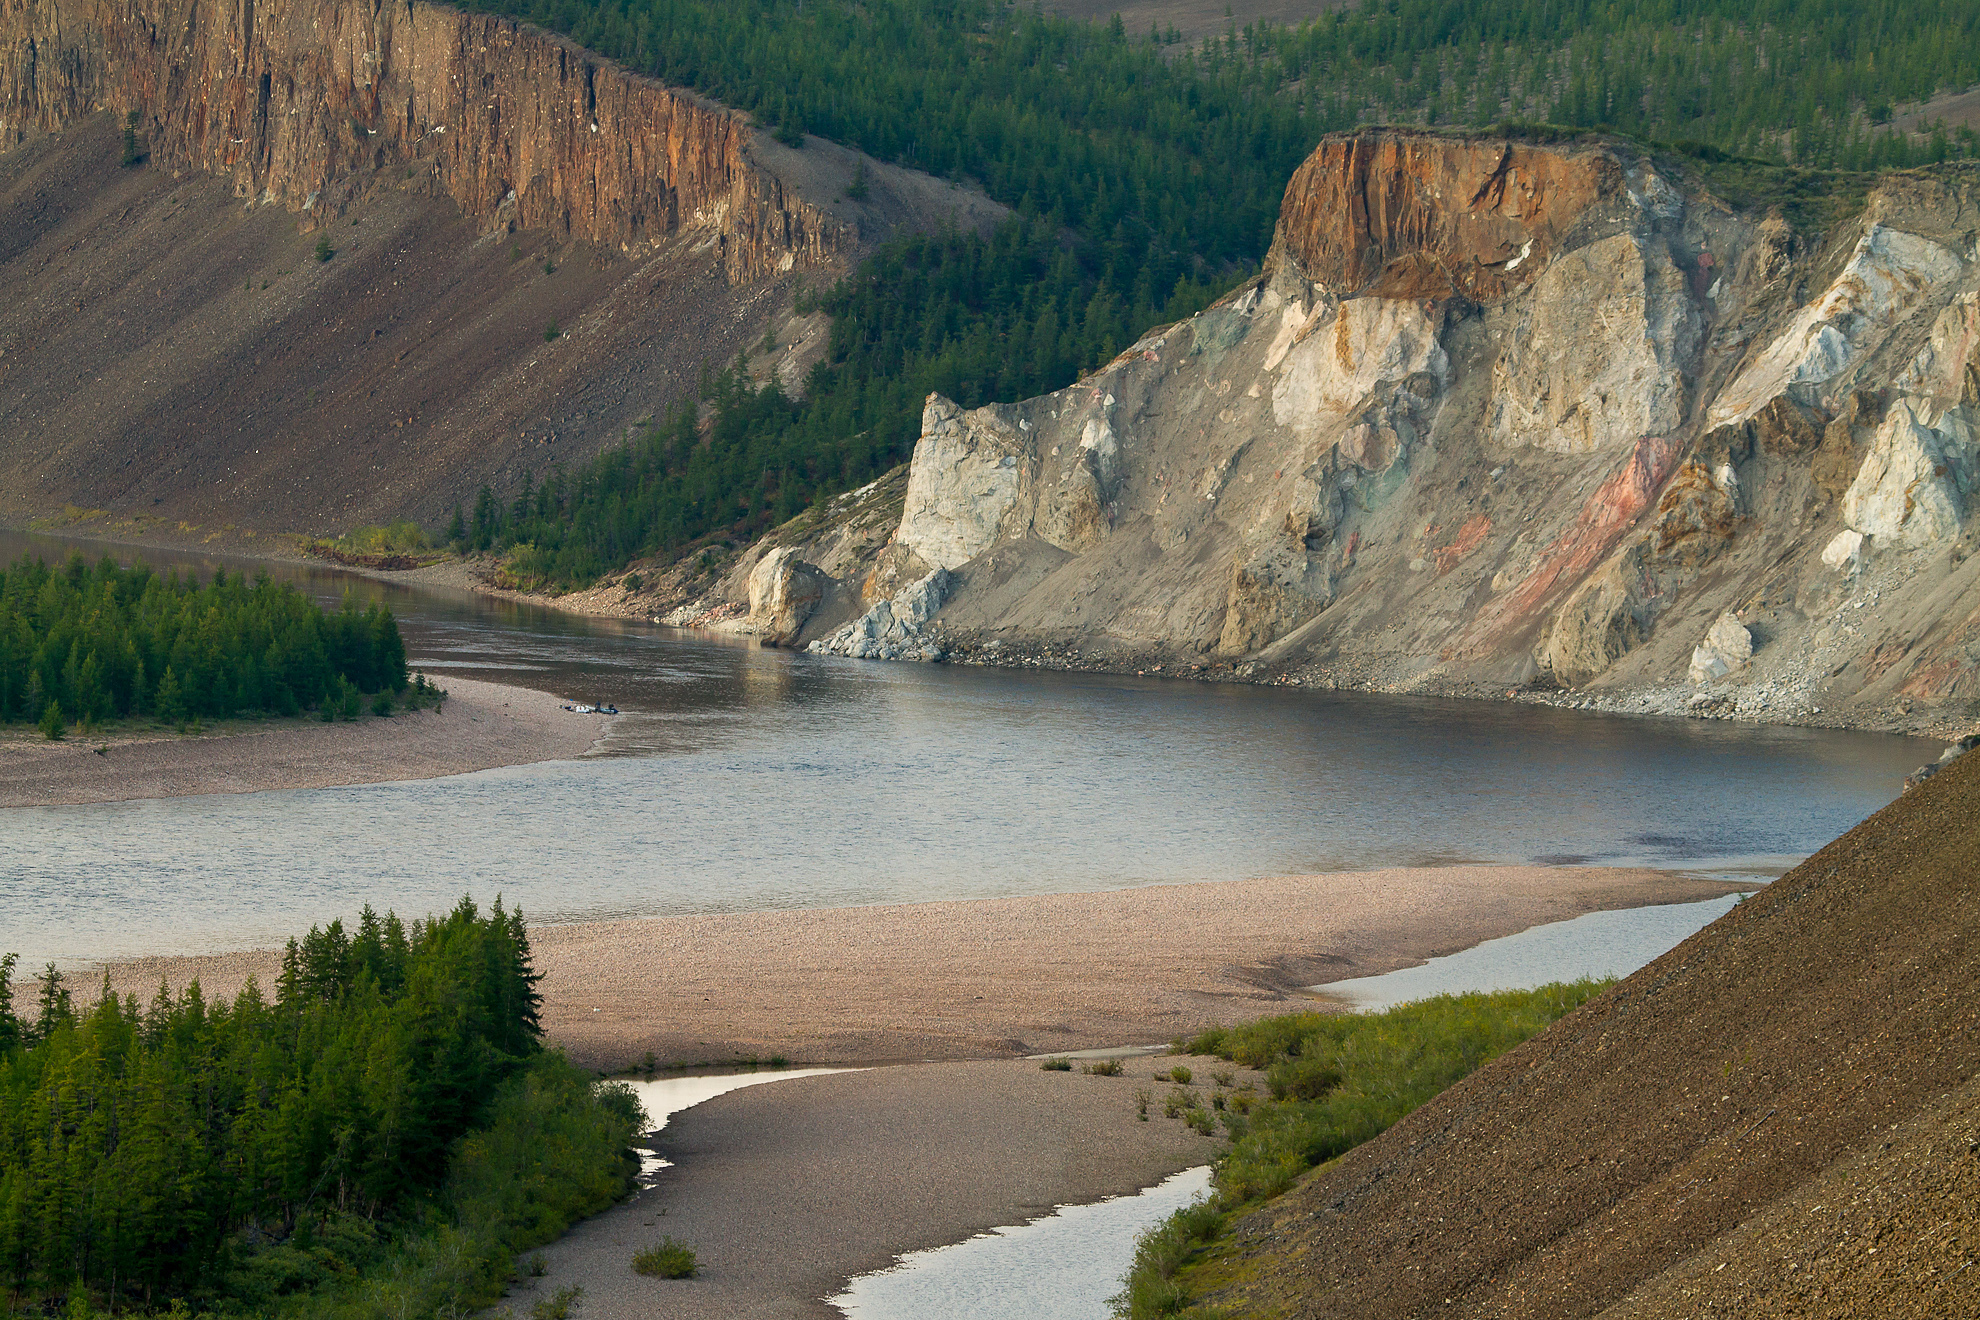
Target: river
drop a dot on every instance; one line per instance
(741, 778)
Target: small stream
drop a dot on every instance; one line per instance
(1595, 944)
(664, 1097)
(1063, 1266)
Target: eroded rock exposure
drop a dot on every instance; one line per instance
(295, 101)
(1508, 418)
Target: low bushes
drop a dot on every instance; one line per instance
(1336, 1080)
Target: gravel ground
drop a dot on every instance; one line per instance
(1032, 974)
(998, 977)
(786, 1191)
(480, 726)
(1778, 1118)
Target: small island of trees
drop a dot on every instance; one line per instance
(86, 645)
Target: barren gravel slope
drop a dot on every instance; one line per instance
(1790, 1087)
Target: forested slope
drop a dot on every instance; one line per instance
(377, 1139)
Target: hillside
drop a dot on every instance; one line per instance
(172, 349)
(1498, 416)
(1777, 1118)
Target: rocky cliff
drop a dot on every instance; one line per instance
(297, 101)
(1499, 418)
(530, 251)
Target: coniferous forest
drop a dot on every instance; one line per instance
(1144, 174)
(378, 1138)
(84, 645)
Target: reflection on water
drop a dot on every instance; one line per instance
(1062, 1267)
(743, 778)
(1596, 944)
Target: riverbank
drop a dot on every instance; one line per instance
(1001, 977)
(480, 726)
(787, 1190)
(662, 589)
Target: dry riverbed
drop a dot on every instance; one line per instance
(481, 725)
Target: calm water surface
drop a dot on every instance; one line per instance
(1596, 944)
(1061, 1267)
(742, 778)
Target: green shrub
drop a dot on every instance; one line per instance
(1337, 1079)
(1180, 1075)
(550, 332)
(51, 724)
(558, 1307)
(1102, 1068)
(323, 249)
(381, 705)
(666, 1259)
(1056, 1065)
(133, 152)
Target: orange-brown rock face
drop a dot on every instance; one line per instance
(1399, 215)
(295, 100)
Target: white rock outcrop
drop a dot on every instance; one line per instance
(1905, 492)
(1727, 646)
(963, 485)
(1597, 353)
(1885, 278)
(1332, 365)
(892, 629)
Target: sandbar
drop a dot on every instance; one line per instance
(1000, 977)
(480, 726)
(786, 1191)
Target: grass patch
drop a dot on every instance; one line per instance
(394, 546)
(559, 1306)
(1335, 1080)
(666, 1259)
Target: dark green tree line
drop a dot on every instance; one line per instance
(237, 1153)
(103, 642)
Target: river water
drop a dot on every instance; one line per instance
(742, 778)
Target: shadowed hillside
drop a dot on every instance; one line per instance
(1779, 1117)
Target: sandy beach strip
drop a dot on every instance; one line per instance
(1001, 977)
(481, 725)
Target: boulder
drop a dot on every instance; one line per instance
(1904, 492)
(1844, 550)
(783, 591)
(1602, 622)
(1727, 647)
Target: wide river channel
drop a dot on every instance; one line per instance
(741, 778)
